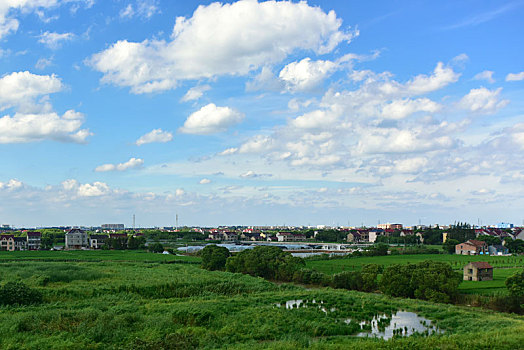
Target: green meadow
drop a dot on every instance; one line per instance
(103, 300)
(504, 266)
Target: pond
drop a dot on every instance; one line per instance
(402, 323)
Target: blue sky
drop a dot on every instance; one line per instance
(261, 113)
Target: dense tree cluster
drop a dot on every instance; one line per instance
(427, 280)
(265, 261)
(214, 257)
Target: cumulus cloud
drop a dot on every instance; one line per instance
(250, 174)
(43, 63)
(204, 181)
(441, 77)
(306, 74)
(485, 75)
(11, 185)
(18, 88)
(156, 135)
(399, 109)
(211, 119)
(483, 100)
(55, 40)
(515, 76)
(95, 189)
(195, 93)
(22, 128)
(132, 163)
(243, 36)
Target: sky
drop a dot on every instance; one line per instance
(261, 112)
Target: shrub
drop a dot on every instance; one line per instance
(350, 280)
(214, 257)
(18, 293)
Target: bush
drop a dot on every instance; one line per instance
(427, 280)
(156, 248)
(214, 257)
(18, 293)
(350, 280)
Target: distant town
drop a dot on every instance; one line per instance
(458, 238)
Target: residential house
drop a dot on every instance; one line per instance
(20, 243)
(97, 241)
(353, 237)
(373, 234)
(76, 239)
(364, 235)
(34, 240)
(290, 237)
(497, 249)
(471, 247)
(478, 271)
(229, 236)
(7, 242)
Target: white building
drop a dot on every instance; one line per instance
(76, 239)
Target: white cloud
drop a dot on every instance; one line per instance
(306, 74)
(483, 100)
(22, 128)
(204, 181)
(127, 12)
(195, 93)
(8, 22)
(228, 151)
(242, 37)
(515, 76)
(441, 77)
(143, 8)
(399, 109)
(18, 88)
(250, 174)
(54, 40)
(93, 190)
(485, 75)
(11, 185)
(130, 164)
(156, 135)
(43, 63)
(211, 119)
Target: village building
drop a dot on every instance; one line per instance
(7, 242)
(20, 243)
(290, 237)
(97, 241)
(498, 249)
(353, 237)
(471, 247)
(478, 271)
(76, 239)
(34, 240)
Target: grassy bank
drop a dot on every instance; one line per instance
(112, 304)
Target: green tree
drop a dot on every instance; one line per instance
(265, 261)
(515, 284)
(450, 244)
(156, 248)
(214, 257)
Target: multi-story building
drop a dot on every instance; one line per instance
(20, 243)
(115, 227)
(97, 241)
(76, 239)
(7, 242)
(34, 240)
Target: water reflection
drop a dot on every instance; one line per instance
(402, 323)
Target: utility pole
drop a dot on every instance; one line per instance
(133, 222)
(177, 220)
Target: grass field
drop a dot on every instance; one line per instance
(109, 304)
(93, 255)
(504, 266)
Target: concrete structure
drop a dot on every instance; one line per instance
(97, 241)
(7, 242)
(20, 243)
(478, 271)
(471, 247)
(76, 239)
(290, 237)
(116, 227)
(34, 240)
(389, 226)
(497, 250)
